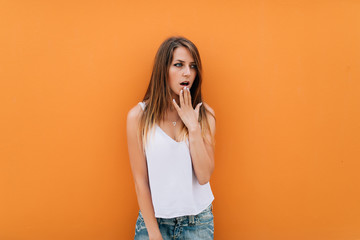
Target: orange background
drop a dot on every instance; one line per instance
(282, 77)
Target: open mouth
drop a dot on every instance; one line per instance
(186, 83)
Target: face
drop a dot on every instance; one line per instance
(182, 68)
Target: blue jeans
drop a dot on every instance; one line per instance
(194, 227)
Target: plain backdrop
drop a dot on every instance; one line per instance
(282, 77)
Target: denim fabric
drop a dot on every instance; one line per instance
(194, 227)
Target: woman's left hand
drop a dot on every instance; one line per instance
(188, 115)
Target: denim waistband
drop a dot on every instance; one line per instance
(184, 220)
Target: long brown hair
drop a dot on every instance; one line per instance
(158, 95)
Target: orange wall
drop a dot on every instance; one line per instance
(282, 77)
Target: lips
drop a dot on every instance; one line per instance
(185, 83)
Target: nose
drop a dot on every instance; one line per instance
(187, 71)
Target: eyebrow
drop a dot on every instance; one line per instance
(182, 60)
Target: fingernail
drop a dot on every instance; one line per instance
(181, 91)
(173, 99)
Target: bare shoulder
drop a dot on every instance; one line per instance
(133, 118)
(134, 113)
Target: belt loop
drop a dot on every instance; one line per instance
(191, 220)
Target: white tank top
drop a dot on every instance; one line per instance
(175, 190)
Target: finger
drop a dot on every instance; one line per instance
(181, 98)
(197, 108)
(176, 105)
(189, 97)
(185, 96)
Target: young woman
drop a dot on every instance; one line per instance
(171, 148)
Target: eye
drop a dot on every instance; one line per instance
(193, 66)
(177, 64)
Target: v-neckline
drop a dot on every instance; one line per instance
(168, 135)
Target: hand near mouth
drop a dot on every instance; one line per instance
(188, 115)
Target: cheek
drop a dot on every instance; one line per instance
(172, 81)
(173, 70)
(172, 75)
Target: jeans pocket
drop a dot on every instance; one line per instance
(205, 225)
(206, 216)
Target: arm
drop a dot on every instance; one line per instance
(202, 153)
(139, 172)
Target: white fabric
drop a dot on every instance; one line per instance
(175, 190)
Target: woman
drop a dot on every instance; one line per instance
(171, 148)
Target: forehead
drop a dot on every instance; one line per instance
(183, 54)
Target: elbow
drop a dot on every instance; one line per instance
(205, 177)
(204, 181)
